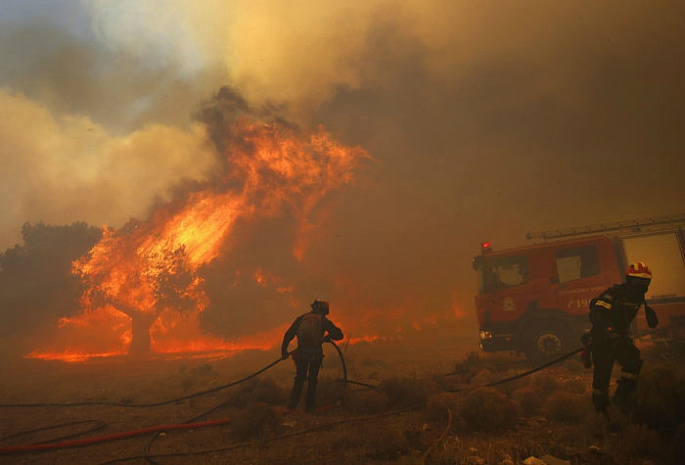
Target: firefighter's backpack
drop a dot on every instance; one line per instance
(309, 332)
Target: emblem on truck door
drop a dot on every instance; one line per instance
(508, 305)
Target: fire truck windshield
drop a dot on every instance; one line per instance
(507, 272)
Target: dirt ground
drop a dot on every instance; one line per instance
(351, 433)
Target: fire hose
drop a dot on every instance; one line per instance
(191, 423)
(520, 375)
(67, 444)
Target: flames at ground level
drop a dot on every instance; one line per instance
(145, 285)
(107, 333)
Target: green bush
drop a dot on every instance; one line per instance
(487, 409)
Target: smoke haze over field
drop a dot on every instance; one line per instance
(484, 119)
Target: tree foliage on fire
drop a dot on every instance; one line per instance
(36, 283)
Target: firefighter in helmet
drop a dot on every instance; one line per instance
(312, 330)
(611, 315)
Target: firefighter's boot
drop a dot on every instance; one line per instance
(311, 395)
(600, 399)
(295, 394)
(626, 387)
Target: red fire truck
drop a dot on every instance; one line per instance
(534, 299)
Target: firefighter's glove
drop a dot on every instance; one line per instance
(284, 355)
(652, 320)
(612, 336)
(327, 338)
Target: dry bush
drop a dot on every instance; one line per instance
(660, 398)
(197, 376)
(576, 385)
(329, 391)
(545, 382)
(471, 360)
(574, 365)
(641, 441)
(678, 445)
(384, 442)
(437, 405)
(366, 402)
(510, 387)
(375, 440)
(405, 392)
(258, 390)
(529, 399)
(487, 409)
(567, 407)
(257, 421)
(483, 377)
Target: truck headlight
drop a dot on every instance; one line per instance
(485, 335)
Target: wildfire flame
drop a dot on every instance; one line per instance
(144, 291)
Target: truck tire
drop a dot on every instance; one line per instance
(546, 340)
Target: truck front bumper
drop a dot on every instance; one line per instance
(494, 342)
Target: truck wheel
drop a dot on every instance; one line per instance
(547, 340)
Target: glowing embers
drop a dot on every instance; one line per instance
(144, 287)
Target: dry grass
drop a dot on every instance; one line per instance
(487, 409)
(257, 421)
(567, 407)
(258, 390)
(546, 413)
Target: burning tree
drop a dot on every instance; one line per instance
(150, 273)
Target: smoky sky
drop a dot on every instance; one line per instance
(486, 120)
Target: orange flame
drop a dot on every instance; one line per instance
(144, 277)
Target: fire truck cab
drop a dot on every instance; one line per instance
(535, 299)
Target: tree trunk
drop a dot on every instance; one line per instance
(140, 333)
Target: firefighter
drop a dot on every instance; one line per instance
(312, 330)
(611, 315)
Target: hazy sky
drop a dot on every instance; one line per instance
(488, 119)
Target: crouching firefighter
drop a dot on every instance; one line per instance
(611, 315)
(312, 330)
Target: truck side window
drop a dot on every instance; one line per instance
(577, 263)
(509, 271)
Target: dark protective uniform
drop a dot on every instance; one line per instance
(611, 315)
(308, 357)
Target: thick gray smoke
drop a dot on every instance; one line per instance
(487, 119)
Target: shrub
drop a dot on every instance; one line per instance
(258, 390)
(383, 442)
(489, 410)
(372, 440)
(256, 421)
(329, 392)
(437, 405)
(576, 385)
(660, 398)
(641, 441)
(546, 383)
(567, 407)
(483, 377)
(471, 363)
(530, 400)
(405, 392)
(678, 445)
(366, 402)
